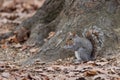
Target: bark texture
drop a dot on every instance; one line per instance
(63, 16)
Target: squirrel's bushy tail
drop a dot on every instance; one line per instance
(96, 36)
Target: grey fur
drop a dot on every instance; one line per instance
(82, 48)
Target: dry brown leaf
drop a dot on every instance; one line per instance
(4, 30)
(34, 50)
(3, 41)
(51, 34)
(38, 70)
(100, 77)
(4, 46)
(24, 79)
(90, 73)
(12, 16)
(25, 1)
(102, 63)
(24, 47)
(27, 6)
(44, 77)
(39, 3)
(17, 45)
(1, 2)
(56, 68)
(92, 63)
(8, 6)
(37, 62)
(101, 70)
(116, 78)
(1, 77)
(12, 39)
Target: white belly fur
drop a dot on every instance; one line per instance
(77, 55)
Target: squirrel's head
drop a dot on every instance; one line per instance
(73, 34)
(70, 37)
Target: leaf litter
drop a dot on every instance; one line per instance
(12, 13)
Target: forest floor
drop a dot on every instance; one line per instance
(13, 53)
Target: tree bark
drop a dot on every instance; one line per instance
(63, 16)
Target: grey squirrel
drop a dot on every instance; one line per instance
(86, 47)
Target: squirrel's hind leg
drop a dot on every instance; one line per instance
(83, 54)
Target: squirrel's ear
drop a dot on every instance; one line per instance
(88, 33)
(72, 33)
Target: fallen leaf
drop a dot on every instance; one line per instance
(90, 73)
(33, 50)
(4, 46)
(3, 41)
(44, 77)
(100, 77)
(51, 34)
(101, 63)
(56, 68)
(17, 45)
(9, 6)
(5, 74)
(24, 47)
(1, 2)
(24, 78)
(12, 39)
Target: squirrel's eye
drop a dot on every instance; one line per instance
(70, 39)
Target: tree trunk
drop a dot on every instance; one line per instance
(63, 16)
